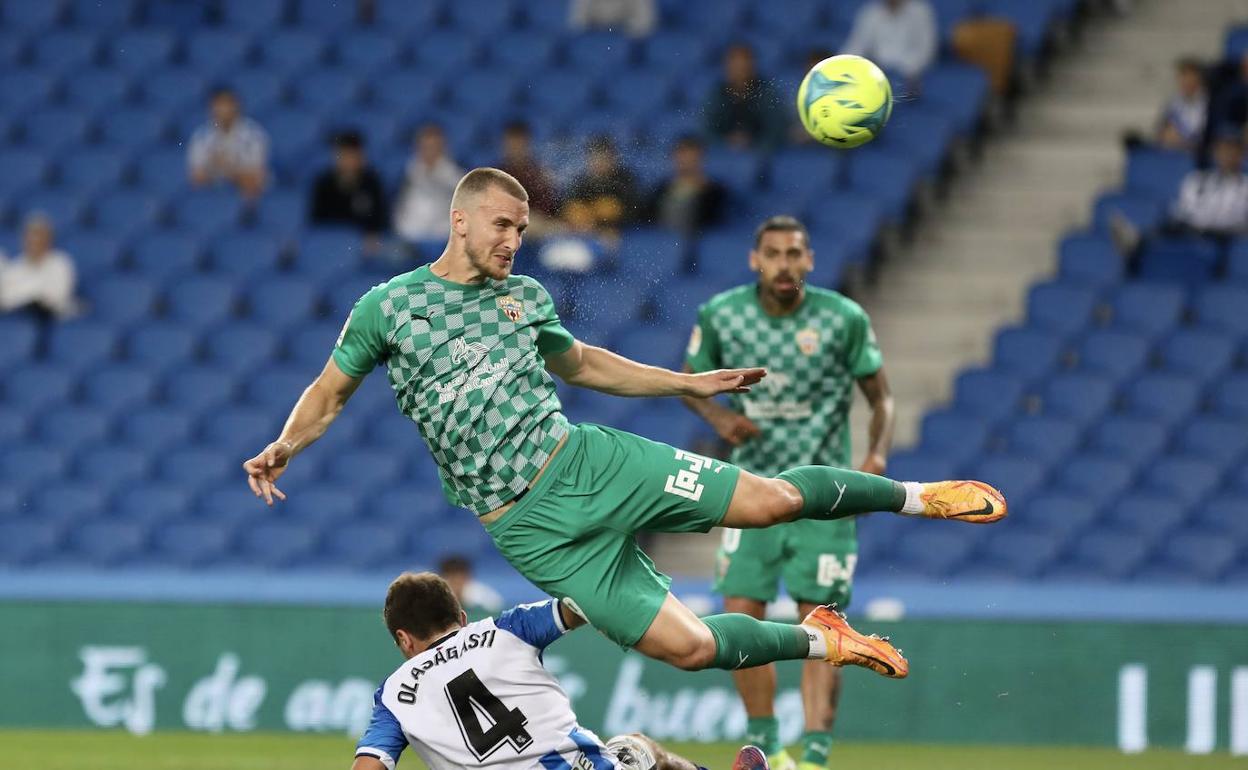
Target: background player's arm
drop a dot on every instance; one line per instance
(319, 405)
(880, 437)
(733, 427)
(600, 369)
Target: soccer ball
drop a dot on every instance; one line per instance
(844, 101)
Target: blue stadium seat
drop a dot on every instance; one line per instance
(95, 256)
(1214, 439)
(445, 55)
(281, 213)
(102, 14)
(69, 503)
(14, 426)
(151, 503)
(29, 542)
(1178, 260)
(141, 52)
(200, 302)
(73, 426)
(23, 90)
(1188, 479)
(1114, 353)
(89, 171)
(804, 174)
(241, 347)
(412, 17)
(1079, 396)
(310, 344)
(935, 553)
(254, 15)
(561, 91)
(597, 53)
(482, 16)
(641, 92)
(65, 52)
(233, 503)
(155, 429)
(35, 387)
(321, 503)
(209, 212)
(1226, 515)
(455, 536)
(366, 546)
(326, 252)
(367, 468)
(276, 544)
(1150, 514)
(81, 345)
(215, 52)
(1103, 555)
(1237, 261)
(722, 262)
(891, 179)
(30, 17)
(959, 90)
(1043, 438)
(106, 543)
(539, 52)
(1130, 438)
(97, 90)
(654, 345)
(282, 301)
(652, 251)
(239, 429)
(33, 464)
(1026, 352)
(403, 91)
(1147, 308)
(118, 388)
(160, 347)
(1236, 43)
(18, 340)
(1060, 307)
(295, 133)
(372, 51)
(1018, 554)
(987, 393)
(196, 467)
(66, 208)
(22, 169)
(258, 90)
(1222, 307)
(326, 89)
(124, 214)
(921, 466)
(292, 50)
(55, 129)
(190, 543)
(1200, 354)
(1089, 260)
(278, 389)
(921, 132)
(1191, 557)
(1156, 173)
(1145, 212)
(167, 255)
(1062, 513)
(1017, 476)
(161, 171)
(243, 254)
(380, 128)
(120, 300)
(199, 388)
(111, 466)
(1164, 397)
(956, 435)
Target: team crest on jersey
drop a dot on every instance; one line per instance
(807, 341)
(511, 308)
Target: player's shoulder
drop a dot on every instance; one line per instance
(830, 299)
(731, 299)
(526, 284)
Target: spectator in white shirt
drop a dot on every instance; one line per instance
(429, 182)
(636, 17)
(1182, 121)
(898, 35)
(41, 279)
(230, 148)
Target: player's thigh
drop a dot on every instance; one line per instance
(748, 563)
(648, 486)
(758, 501)
(820, 559)
(677, 636)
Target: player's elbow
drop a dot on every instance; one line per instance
(367, 763)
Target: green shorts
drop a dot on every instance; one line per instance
(815, 558)
(572, 535)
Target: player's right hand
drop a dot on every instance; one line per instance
(264, 469)
(735, 428)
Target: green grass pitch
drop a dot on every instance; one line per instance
(74, 750)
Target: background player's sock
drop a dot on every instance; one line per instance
(742, 642)
(764, 732)
(834, 493)
(815, 746)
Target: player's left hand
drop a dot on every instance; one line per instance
(874, 463)
(709, 384)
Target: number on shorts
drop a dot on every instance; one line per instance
(470, 697)
(831, 569)
(732, 540)
(686, 481)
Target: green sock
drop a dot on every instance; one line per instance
(764, 732)
(815, 746)
(834, 493)
(743, 642)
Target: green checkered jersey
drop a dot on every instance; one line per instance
(813, 358)
(465, 362)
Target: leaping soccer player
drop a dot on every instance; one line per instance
(469, 348)
(477, 695)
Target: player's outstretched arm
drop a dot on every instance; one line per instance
(314, 411)
(599, 369)
(733, 427)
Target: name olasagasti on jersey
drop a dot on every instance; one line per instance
(482, 640)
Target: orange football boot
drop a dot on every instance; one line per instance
(972, 501)
(847, 647)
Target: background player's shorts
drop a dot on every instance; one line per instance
(815, 558)
(572, 534)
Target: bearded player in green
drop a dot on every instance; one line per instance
(816, 345)
(469, 348)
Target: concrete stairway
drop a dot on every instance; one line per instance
(966, 271)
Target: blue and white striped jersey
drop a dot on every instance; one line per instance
(480, 697)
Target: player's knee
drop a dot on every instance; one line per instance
(783, 503)
(692, 652)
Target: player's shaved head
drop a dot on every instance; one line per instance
(481, 179)
(781, 223)
(421, 604)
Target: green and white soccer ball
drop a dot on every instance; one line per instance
(844, 101)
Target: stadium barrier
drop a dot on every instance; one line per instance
(150, 666)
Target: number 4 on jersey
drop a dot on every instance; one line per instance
(471, 700)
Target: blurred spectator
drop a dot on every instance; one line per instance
(229, 148)
(898, 35)
(350, 191)
(688, 201)
(428, 183)
(604, 197)
(519, 161)
(41, 279)
(636, 17)
(744, 110)
(474, 596)
(1212, 203)
(1182, 120)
